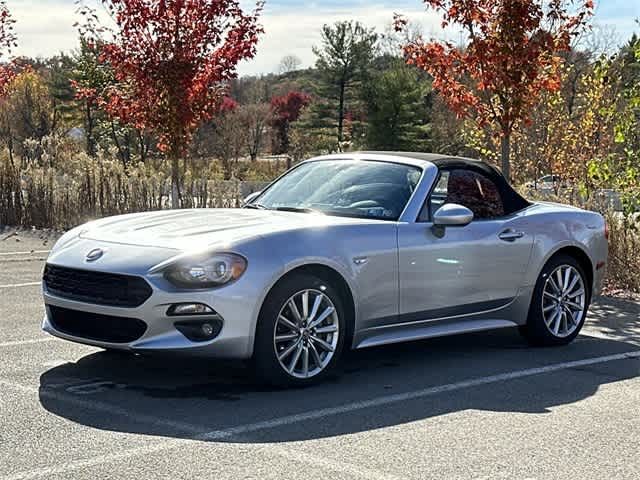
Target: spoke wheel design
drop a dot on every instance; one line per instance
(306, 333)
(563, 301)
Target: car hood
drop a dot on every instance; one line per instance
(199, 228)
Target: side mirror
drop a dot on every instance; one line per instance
(451, 215)
(249, 198)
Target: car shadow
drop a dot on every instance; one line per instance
(212, 396)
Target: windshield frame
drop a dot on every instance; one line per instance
(391, 160)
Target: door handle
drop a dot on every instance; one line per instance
(509, 235)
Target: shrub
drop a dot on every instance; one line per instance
(79, 188)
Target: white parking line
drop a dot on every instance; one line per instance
(401, 397)
(30, 252)
(15, 285)
(297, 455)
(91, 462)
(26, 342)
(296, 418)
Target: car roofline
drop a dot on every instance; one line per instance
(377, 156)
(418, 159)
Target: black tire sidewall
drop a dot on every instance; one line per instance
(266, 365)
(537, 331)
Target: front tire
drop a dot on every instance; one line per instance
(559, 303)
(300, 333)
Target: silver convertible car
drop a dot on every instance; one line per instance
(342, 251)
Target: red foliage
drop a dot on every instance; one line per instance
(7, 74)
(172, 60)
(227, 105)
(510, 58)
(88, 94)
(286, 109)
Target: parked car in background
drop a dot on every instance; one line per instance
(608, 199)
(342, 251)
(547, 183)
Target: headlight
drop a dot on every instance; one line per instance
(212, 271)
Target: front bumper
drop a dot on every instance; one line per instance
(235, 339)
(238, 303)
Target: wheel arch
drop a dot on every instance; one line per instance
(580, 255)
(335, 279)
(533, 330)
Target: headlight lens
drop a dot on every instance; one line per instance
(210, 272)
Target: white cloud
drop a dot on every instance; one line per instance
(296, 33)
(45, 27)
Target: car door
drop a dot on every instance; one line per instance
(460, 270)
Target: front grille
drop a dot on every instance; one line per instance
(96, 287)
(95, 326)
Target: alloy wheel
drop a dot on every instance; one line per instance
(306, 333)
(563, 301)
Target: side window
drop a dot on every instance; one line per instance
(465, 187)
(476, 192)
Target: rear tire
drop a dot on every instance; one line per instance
(559, 303)
(300, 333)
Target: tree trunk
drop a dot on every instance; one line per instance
(89, 133)
(505, 152)
(341, 112)
(10, 148)
(142, 146)
(175, 181)
(114, 137)
(285, 138)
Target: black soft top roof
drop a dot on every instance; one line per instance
(512, 200)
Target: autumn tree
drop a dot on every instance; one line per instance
(28, 111)
(346, 52)
(173, 61)
(228, 137)
(511, 56)
(285, 110)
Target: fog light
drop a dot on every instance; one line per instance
(200, 330)
(207, 329)
(190, 309)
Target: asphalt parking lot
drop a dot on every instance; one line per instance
(474, 406)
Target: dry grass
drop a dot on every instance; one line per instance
(623, 269)
(83, 188)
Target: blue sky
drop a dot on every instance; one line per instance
(45, 27)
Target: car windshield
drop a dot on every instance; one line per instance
(356, 188)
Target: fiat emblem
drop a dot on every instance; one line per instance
(94, 254)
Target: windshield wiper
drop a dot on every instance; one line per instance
(256, 206)
(298, 209)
